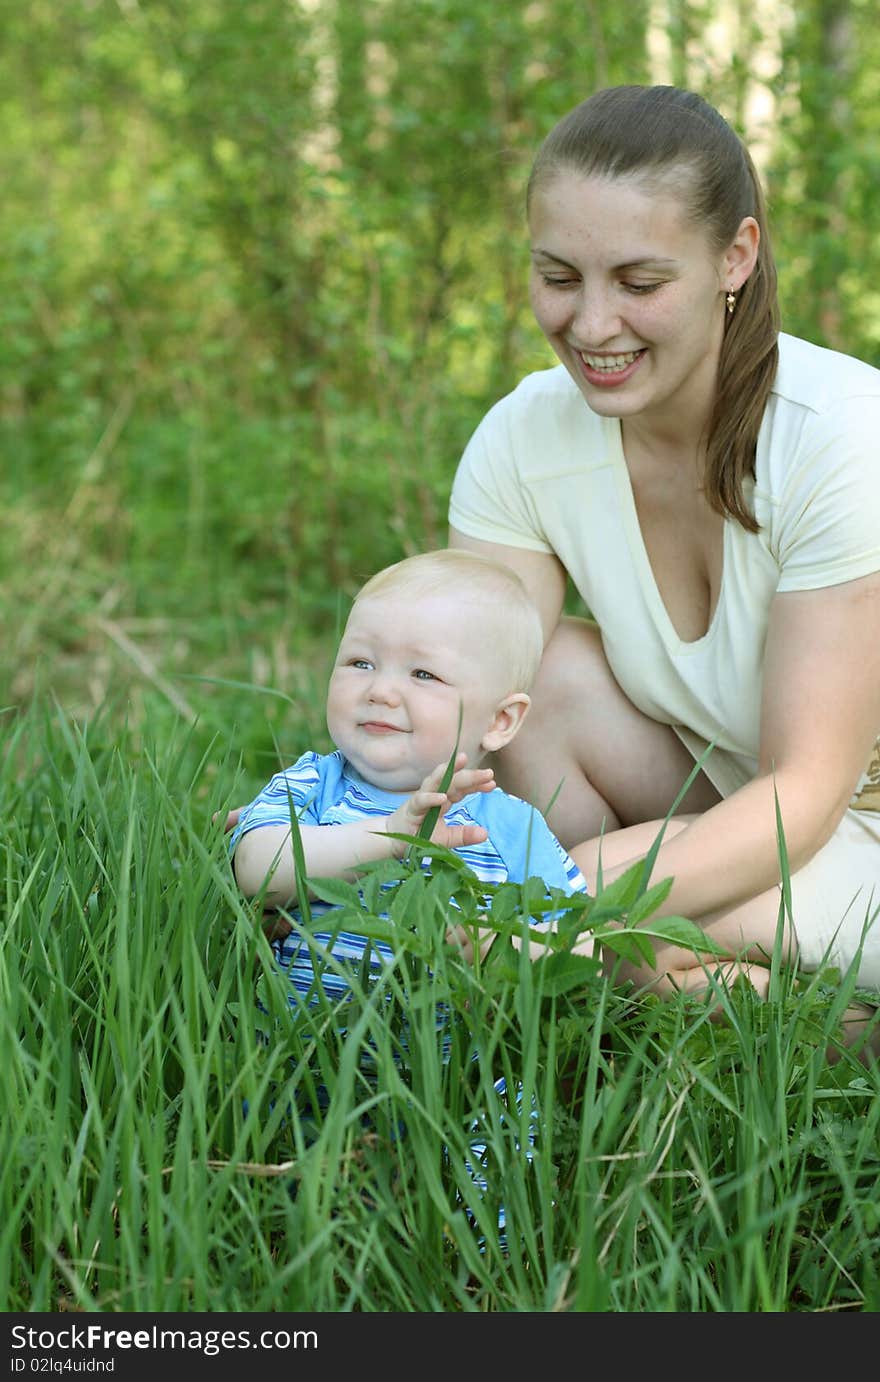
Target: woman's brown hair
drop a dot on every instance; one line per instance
(675, 134)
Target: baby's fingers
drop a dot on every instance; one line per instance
(458, 835)
(435, 776)
(468, 780)
(421, 802)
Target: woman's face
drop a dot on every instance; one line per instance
(630, 295)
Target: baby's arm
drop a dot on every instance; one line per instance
(340, 851)
(331, 851)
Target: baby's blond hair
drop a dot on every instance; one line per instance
(513, 629)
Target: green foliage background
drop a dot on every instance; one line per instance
(263, 270)
(265, 267)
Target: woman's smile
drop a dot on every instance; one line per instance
(608, 371)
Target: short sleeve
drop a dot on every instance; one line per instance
(827, 527)
(545, 858)
(299, 785)
(489, 500)
(526, 843)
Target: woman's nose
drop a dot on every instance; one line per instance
(596, 319)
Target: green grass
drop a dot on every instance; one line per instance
(160, 1152)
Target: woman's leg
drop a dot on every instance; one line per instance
(679, 970)
(612, 774)
(619, 771)
(587, 749)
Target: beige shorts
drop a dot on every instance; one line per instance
(835, 898)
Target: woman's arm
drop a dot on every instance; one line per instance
(542, 573)
(820, 716)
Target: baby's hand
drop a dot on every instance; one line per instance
(468, 941)
(408, 817)
(231, 820)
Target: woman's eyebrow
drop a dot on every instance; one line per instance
(648, 260)
(538, 253)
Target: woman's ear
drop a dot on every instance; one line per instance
(509, 715)
(742, 255)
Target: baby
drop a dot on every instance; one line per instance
(439, 649)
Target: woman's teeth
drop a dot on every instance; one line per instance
(609, 363)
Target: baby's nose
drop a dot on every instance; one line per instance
(384, 689)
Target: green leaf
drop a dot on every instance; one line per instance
(680, 931)
(364, 923)
(505, 903)
(649, 902)
(299, 862)
(381, 871)
(409, 899)
(427, 849)
(559, 973)
(632, 946)
(337, 892)
(620, 896)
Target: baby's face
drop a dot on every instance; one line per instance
(403, 670)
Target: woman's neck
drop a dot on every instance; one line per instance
(647, 444)
(675, 432)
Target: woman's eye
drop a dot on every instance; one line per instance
(554, 282)
(641, 287)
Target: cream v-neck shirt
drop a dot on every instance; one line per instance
(544, 472)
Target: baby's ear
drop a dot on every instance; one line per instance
(509, 715)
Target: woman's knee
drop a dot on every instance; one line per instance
(582, 722)
(573, 670)
(552, 760)
(575, 699)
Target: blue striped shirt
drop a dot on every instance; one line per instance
(326, 790)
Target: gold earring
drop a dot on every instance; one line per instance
(731, 300)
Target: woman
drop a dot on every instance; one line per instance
(712, 489)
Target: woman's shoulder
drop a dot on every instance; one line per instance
(824, 410)
(819, 379)
(815, 466)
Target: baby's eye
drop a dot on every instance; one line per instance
(421, 674)
(361, 663)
